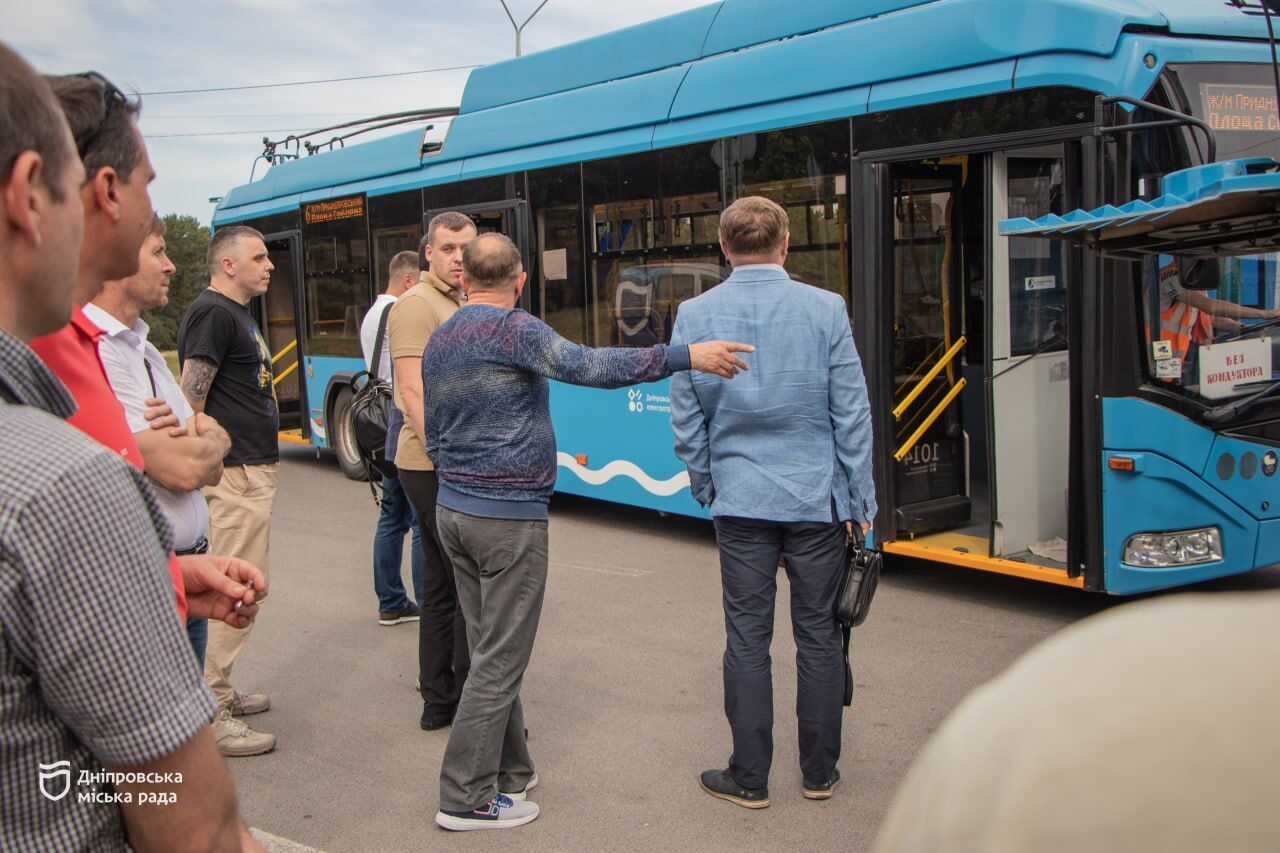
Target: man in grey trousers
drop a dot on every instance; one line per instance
(488, 428)
(783, 459)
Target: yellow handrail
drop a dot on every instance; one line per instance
(929, 377)
(902, 451)
(292, 345)
(290, 369)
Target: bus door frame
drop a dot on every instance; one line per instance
(298, 292)
(953, 317)
(515, 212)
(1091, 171)
(870, 303)
(872, 219)
(1085, 188)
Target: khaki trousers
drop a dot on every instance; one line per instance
(239, 526)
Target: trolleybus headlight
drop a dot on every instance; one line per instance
(1178, 548)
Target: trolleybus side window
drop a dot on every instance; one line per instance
(395, 224)
(555, 206)
(336, 243)
(277, 222)
(474, 191)
(989, 115)
(806, 171)
(653, 239)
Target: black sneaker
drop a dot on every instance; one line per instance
(823, 791)
(432, 720)
(408, 613)
(718, 783)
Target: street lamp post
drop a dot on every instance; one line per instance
(519, 28)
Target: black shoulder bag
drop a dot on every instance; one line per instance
(370, 412)
(857, 588)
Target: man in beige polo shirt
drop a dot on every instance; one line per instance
(443, 657)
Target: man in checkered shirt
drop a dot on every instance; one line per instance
(104, 716)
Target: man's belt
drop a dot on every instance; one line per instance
(201, 547)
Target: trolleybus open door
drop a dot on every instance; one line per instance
(929, 468)
(1029, 384)
(965, 448)
(503, 217)
(279, 314)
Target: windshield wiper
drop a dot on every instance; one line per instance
(1250, 330)
(1219, 415)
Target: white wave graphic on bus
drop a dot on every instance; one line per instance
(623, 468)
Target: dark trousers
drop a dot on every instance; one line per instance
(443, 658)
(813, 555)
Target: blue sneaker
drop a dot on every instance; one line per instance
(499, 813)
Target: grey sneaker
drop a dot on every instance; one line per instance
(521, 796)
(499, 813)
(236, 740)
(244, 704)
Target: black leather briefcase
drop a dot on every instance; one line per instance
(861, 577)
(853, 602)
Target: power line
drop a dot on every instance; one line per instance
(307, 82)
(148, 116)
(225, 132)
(309, 130)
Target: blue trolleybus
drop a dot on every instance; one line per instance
(1039, 410)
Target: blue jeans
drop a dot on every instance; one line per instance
(388, 547)
(198, 635)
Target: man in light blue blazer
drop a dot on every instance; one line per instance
(782, 456)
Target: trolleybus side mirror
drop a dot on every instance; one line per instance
(1199, 273)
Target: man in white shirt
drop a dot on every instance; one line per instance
(404, 275)
(178, 462)
(396, 517)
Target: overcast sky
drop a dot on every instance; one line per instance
(151, 46)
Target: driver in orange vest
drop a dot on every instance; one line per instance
(1192, 316)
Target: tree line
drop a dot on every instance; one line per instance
(187, 244)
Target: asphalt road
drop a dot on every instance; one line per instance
(623, 696)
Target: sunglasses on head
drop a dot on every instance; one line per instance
(112, 98)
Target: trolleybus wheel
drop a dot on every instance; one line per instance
(344, 438)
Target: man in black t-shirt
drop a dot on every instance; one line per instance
(226, 373)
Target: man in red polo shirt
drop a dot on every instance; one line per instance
(117, 219)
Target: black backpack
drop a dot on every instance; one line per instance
(371, 406)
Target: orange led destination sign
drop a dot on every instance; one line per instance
(1231, 106)
(351, 207)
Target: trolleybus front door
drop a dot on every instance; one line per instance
(502, 217)
(279, 314)
(1030, 376)
(927, 441)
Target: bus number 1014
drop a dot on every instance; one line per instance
(925, 454)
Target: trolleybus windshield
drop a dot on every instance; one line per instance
(1221, 342)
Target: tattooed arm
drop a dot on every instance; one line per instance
(197, 378)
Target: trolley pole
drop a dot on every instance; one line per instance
(519, 28)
